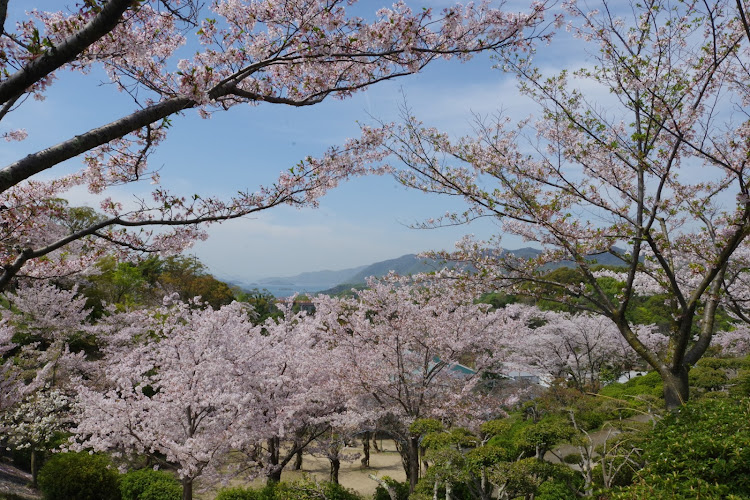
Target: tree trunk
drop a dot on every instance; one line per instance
(365, 461)
(375, 442)
(676, 388)
(335, 467)
(274, 476)
(485, 486)
(187, 489)
(298, 459)
(274, 473)
(34, 468)
(413, 463)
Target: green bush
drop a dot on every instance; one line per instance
(308, 490)
(554, 490)
(700, 451)
(298, 490)
(741, 384)
(728, 363)
(708, 378)
(149, 484)
(402, 490)
(79, 476)
(265, 493)
(645, 385)
(590, 420)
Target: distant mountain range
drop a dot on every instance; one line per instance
(339, 281)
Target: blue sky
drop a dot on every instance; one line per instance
(362, 221)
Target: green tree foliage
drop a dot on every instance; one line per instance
(145, 283)
(189, 278)
(524, 477)
(262, 302)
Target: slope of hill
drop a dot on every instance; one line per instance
(316, 278)
(336, 282)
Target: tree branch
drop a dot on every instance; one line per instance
(3, 14)
(47, 158)
(103, 23)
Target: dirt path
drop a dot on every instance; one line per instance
(351, 475)
(14, 482)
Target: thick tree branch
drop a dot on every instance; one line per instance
(104, 22)
(741, 10)
(3, 14)
(47, 158)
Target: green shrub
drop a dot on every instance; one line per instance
(402, 490)
(149, 484)
(741, 384)
(700, 451)
(645, 385)
(265, 493)
(554, 490)
(79, 476)
(590, 420)
(715, 363)
(310, 490)
(298, 490)
(727, 363)
(708, 378)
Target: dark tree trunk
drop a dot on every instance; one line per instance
(335, 467)
(34, 468)
(365, 461)
(676, 388)
(298, 458)
(187, 489)
(375, 442)
(274, 474)
(413, 463)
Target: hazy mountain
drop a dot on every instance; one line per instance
(334, 282)
(314, 278)
(404, 265)
(603, 259)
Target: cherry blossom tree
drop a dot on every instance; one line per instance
(186, 384)
(300, 391)
(653, 171)
(174, 388)
(735, 342)
(575, 347)
(43, 320)
(402, 345)
(10, 382)
(246, 52)
(34, 423)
